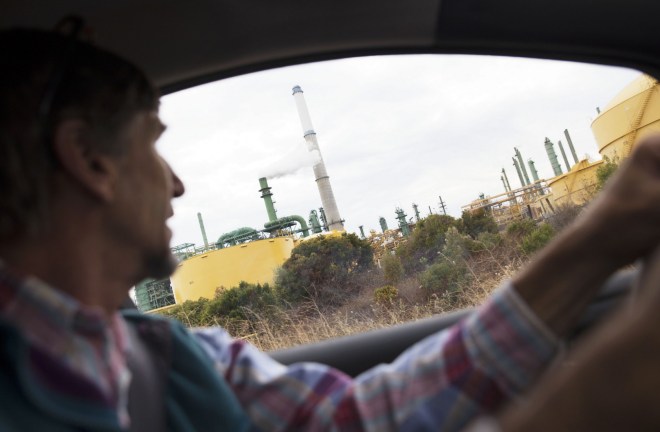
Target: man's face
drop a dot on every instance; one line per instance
(145, 188)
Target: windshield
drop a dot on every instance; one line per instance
(444, 148)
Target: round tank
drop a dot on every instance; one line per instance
(253, 262)
(577, 186)
(631, 115)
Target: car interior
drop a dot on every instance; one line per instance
(181, 45)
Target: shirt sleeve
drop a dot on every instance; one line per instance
(441, 383)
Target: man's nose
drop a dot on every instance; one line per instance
(178, 187)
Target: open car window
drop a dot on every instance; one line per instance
(448, 173)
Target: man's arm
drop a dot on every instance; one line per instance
(443, 382)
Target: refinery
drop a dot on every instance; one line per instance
(253, 254)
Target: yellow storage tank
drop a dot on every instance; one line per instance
(631, 115)
(577, 186)
(253, 262)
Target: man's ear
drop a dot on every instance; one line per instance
(85, 164)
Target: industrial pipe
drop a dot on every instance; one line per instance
(549, 148)
(201, 227)
(532, 168)
(515, 164)
(286, 222)
(563, 154)
(506, 179)
(268, 200)
(570, 145)
(239, 235)
(522, 166)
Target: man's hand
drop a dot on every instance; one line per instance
(612, 381)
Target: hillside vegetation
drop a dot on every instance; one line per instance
(331, 286)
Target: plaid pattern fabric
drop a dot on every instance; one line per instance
(74, 350)
(442, 383)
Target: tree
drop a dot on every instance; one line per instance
(323, 268)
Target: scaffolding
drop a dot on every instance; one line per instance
(529, 201)
(153, 294)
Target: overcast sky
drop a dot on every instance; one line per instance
(392, 131)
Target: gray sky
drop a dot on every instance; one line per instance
(392, 130)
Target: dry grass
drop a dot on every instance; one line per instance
(308, 323)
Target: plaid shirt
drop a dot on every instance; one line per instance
(441, 383)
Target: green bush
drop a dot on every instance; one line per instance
(241, 302)
(477, 222)
(425, 242)
(385, 294)
(190, 312)
(485, 241)
(392, 268)
(537, 238)
(605, 171)
(324, 268)
(444, 278)
(520, 228)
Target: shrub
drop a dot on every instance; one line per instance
(605, 171)
(563, 216)
(445, 278)
(537, 238)
(385, 294)
(520, 228)
(190, 312)
(477, 222)
(241, 302)
(392, 268)
(485, 241)
(426, 241)
(323, 268)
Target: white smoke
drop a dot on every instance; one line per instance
(291, 162)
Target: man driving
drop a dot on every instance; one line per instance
(83, 211)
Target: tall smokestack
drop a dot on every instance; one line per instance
(549, 148)
(268, 200)
(506, 179)
(532, 168)
(522, 166)
(563, 154)
(201, 227)
(515, 164)
(504, 184)
(570, 145)
(322, 179)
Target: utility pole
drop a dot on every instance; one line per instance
(442, 206)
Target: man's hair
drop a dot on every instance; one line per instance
(46, 78)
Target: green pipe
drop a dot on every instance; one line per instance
(237, 236)
(266, 195)
(286, 222)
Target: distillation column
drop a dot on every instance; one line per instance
(322, 179)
